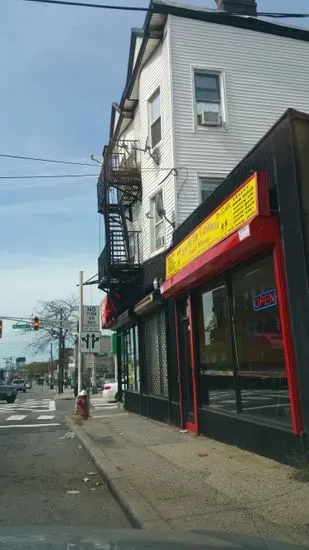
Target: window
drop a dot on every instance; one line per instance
(207, 186)
(241, 363)
(157, 226)
(156, 378)
(261, 365)
(208, 98)
(216, 369)
(155, 119)
(130, 359)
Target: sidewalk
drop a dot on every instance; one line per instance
(67, 394)
(168, 480)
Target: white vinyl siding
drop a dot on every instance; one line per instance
(156, 75)
(262, 76)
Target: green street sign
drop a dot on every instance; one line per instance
(22, 325)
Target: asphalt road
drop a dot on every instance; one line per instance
(42, 470)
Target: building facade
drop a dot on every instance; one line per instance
(202, 88)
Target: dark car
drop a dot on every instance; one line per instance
(7, 392)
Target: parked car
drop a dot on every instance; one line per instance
(110, 389)
(19, 384)
(28, 385)
(7, 392)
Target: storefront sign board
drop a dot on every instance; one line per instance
(239, 209)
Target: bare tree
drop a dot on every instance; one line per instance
(58, 321)
(57, 317)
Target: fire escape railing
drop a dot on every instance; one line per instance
(119, 187)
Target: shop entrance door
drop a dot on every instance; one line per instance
(185, 367)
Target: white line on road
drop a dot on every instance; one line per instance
(45, 417)
(29, 425)
(16, 417)
(52, 405)
(109, 415)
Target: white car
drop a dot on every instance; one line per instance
(19, 384)
(110, 389)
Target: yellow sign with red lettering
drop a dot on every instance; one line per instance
(238, 210)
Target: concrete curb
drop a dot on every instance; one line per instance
(136, 508)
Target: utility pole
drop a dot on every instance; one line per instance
(61, 353)
(51, 367)
(80, 355)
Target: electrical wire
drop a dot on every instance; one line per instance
(49, 176)
(39, 159)
(153, 10)
(85, 5)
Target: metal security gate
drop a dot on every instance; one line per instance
(156, 378)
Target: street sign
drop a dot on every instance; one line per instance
(22, 325)
(90, 342)
(90, 318)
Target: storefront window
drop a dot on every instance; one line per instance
(216, 375)
(259, 344)
(132, 378)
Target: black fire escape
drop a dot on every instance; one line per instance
(119, 187)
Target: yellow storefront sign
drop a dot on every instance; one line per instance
(238, 210)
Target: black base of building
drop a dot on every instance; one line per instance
(263, 439)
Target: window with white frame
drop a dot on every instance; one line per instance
(207, 186)
(157, 225)
(155, 118)
(208, 100)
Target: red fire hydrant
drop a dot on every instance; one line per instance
(82, 404)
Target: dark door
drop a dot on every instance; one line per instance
(186, 372)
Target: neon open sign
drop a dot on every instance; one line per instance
(266, 299)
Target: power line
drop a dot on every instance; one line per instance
(85, 5)
(39, 159)
(49, 176)
(151, 10)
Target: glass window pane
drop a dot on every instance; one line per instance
(208, 186)
(216, 376)
(207, 81)
(207, 95)
(137, 374)
(155, 108)
(262, 373)
(156, 132)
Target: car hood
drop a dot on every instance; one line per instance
(77, 539)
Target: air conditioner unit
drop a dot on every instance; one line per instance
(210, 118)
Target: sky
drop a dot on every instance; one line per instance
(60, 69)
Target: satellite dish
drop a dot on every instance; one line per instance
(159, 206)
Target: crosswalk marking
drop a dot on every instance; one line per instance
(46, 417)
(35, 405)
(16, 417)
(29, 425)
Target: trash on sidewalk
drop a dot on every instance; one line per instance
(92, 489)
(91, 473)
(121, 433)
(68, 435)
(98, 483)
(202, 454)
(73, 492)
(86, 479)
(183, 431)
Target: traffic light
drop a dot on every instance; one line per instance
(1, 326)
(36, 323)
